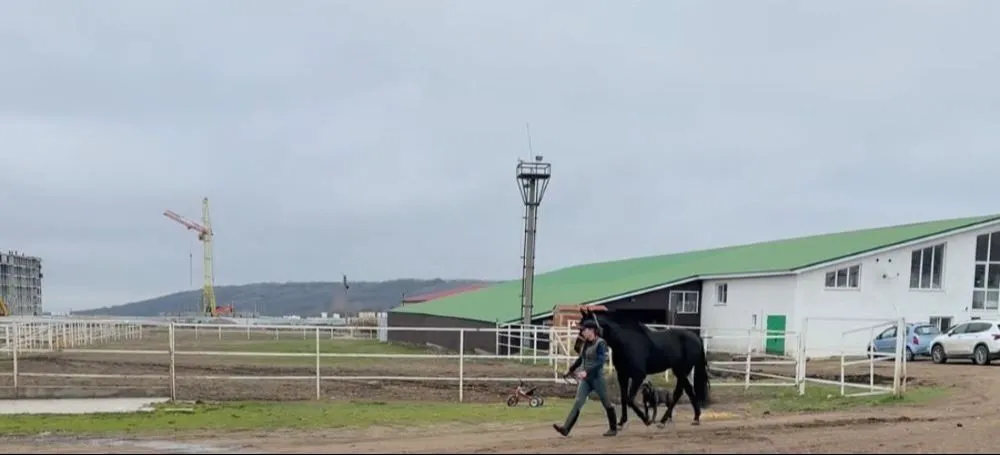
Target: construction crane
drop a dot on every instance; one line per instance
(205, 234)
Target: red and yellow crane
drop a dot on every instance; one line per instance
(205, 234)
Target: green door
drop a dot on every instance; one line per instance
(775, 326)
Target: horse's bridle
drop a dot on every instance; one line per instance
(596, 322)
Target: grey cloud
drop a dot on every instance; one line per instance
(379, 138)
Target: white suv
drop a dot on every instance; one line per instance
(978, 340)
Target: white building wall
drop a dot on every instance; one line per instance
(884, 293)
(748, 303)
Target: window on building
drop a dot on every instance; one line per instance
(986, 275)
(684, 302)
(927, 267)
(722, 293)
(845, 278)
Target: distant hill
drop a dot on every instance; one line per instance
(278, 299)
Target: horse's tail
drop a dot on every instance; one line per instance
(701, 385)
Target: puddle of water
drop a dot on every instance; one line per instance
(142, 446)
(78, 405)
(161, 446)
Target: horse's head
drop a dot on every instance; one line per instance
(597, 314)
(615, 328)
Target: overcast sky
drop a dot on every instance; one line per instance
(379, 138)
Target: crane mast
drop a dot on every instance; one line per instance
(208, 288)
(205, 234)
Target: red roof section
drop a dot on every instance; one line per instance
(437, 295)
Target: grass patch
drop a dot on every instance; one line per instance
(296, 415)
(823, 398)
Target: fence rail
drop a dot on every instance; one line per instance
(24, 339)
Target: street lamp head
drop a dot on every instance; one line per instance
(533, 179)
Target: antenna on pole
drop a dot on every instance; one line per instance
(532, 179)
(527, 127)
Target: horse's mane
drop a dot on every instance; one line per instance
(626, 321)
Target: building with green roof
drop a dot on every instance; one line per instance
(943, 271)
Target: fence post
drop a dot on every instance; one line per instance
(749, 360)
(897, 373)
(497, 350)
(803, 342)
(871, 359)
(555, 349)
(905, 363)
(173, 365)
(13, 351)
(534, 344)
(508, 342)
(319, 393)
(461, 365)
(843, 367)
(220, 332)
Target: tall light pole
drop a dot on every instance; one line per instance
(532, 178)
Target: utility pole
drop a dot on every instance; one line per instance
(194, 307)
(190, 266)
(533, 179)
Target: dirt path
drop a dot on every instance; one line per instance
(952, 425)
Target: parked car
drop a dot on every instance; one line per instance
(978, 340)
(918, 340)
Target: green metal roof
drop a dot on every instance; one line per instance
(591, 282)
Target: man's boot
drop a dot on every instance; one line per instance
(612, 422)
(570, 421)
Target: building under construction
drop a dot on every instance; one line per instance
(20, 284)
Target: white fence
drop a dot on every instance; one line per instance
(754, 367)
(851, 352)
(47, 335)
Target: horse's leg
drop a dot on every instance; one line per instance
(633, 390)
(689, 391)
(678, 390)
(623, 394)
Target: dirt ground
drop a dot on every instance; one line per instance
(953, 424)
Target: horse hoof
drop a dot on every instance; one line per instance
(661, 426)
(696, 423)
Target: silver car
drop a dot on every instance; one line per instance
(978, 340)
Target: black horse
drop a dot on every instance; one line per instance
(637, 351)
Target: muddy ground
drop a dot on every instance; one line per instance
(952, 424)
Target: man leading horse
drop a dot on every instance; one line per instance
(593, 356)
(639, 352)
